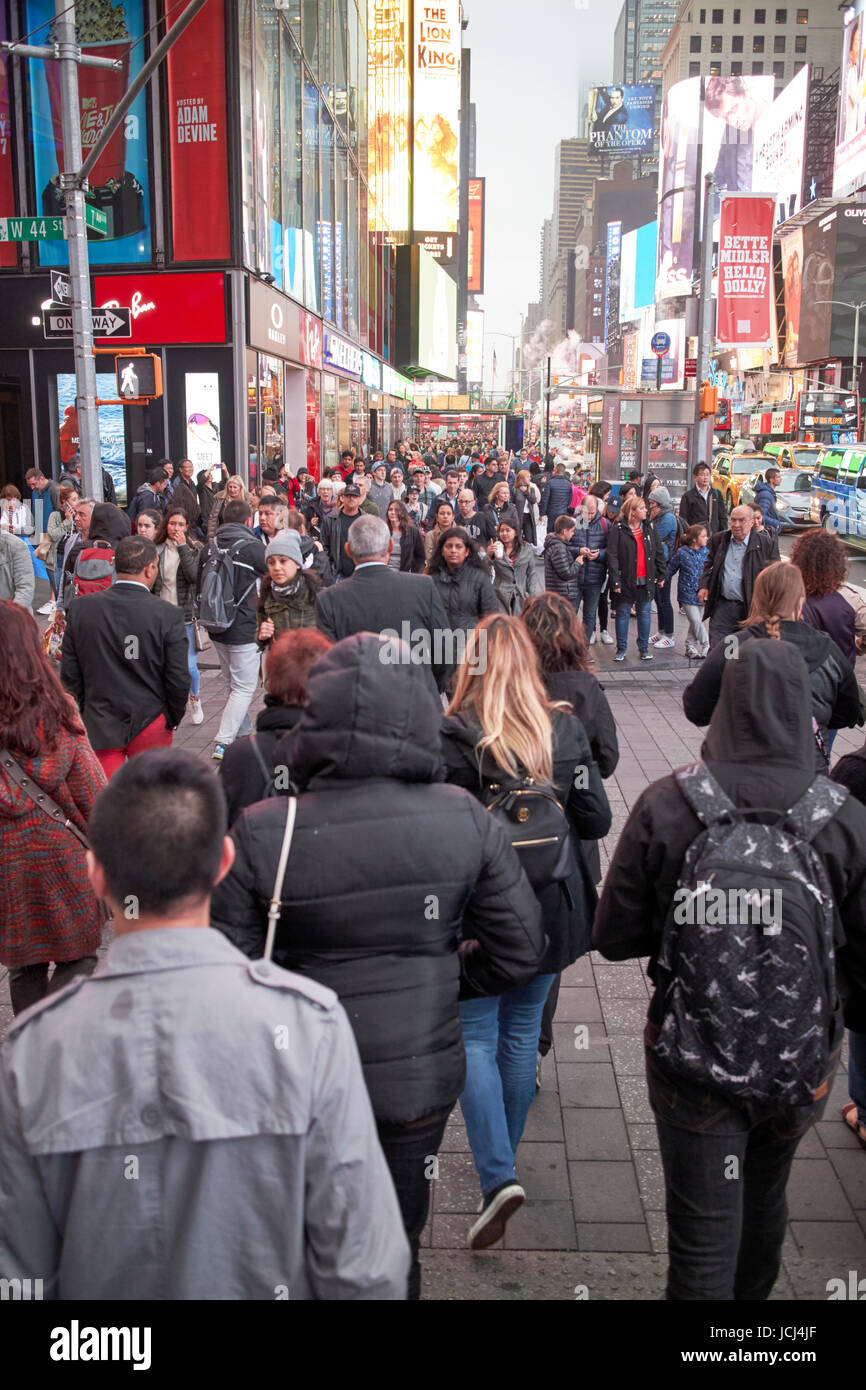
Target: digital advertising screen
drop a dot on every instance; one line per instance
(437, 319)
(780, 142)
(637, 271)
(475, 278)
(388, 59)
(849, 171)
(436, 108)
(474, 346)
(622, 118)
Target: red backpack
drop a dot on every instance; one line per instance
(94, 570)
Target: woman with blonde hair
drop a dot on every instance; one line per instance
(778, 600)
(234, 489)
(502, 732)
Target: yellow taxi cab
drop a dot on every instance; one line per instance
(795, 455)
(731, 471)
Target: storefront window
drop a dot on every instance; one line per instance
(292, 10)
(344, 412)
(326, 216)
(329, 419)
(314, 453)
(293, 184)
(311, 194)
(253, 418)
(363, 268)
(356, 391)
(342, 243)
(326, 46)
(271, 405)
(311, 34)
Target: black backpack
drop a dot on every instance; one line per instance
(750, 1005)
(538, 828)
(216, 604)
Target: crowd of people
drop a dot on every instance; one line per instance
(361, 921)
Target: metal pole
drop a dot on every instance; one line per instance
(545, 406)
(74, 188)
(705, 317)
(857, 309)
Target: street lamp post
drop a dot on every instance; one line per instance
(846, 304)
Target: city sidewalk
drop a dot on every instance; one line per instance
(593, 1224)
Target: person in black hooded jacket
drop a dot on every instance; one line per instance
(777, 604)
(388, 932)
(462, 578)
(725, 1236)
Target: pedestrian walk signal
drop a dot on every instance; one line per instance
(709, 400)
(139, 378)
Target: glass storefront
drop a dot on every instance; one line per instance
(271, 405)
(331, 447)
(253, 418)
(314, 443)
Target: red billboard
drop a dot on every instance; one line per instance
(171, 307)
(8, 250)
(745, 270)
(196, 73)
(475, 284)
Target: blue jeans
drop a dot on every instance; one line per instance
(857, 1073)
(644, 609)
(726, 1168)
(501, 1040)
(591, 593)
(192, 663)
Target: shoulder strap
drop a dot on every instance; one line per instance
(703, 793)
(276, 899)
(267, 773)
(818, 805)
(39, 797)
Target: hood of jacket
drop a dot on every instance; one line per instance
(369, 716)
(232, 531)
(107, 523)
(764, 711)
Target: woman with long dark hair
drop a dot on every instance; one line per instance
(408, 552)
(443, 510)
(48, 911)
(515, 573)
(176, 583)
(462, 577)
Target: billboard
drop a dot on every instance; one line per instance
(203, 420)
(8, 201)
(436, 115)
(637, 276)
(475, 234)
(849, 172)
(792, 274)
(119, 181)
(611, 279)
(196, 74)
(780, 143)
(824, 261)
(474, 347)
(388, 114)
(437, 319)
(745, 270)
(622, 118)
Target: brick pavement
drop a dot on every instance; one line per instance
(594, 1216)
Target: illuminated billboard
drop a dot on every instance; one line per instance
(637, 274)
(426, 319)
(849, 172)
(622, 118)
(436, 111)
(474, 347)
(780, 142)
(475, 284)
(824, 267)
(388, 119)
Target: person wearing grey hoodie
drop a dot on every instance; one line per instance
(667, 528)
(381, 493)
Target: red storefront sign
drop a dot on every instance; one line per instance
(311, 340)
(8, 250)
(745, 270)
(198, 139)
(168, 307)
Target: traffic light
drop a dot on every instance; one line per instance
(139, 378)
(709, 400)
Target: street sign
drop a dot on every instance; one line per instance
(107, 323)
(690, 367)
(95, 219)
(32, 228)
(661, 344)
(61, 289)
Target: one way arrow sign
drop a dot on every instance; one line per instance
(107, 323)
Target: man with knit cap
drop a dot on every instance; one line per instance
(381, 492)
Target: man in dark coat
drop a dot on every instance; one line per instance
(735, 560)
(184, 494)
(556, 496)
(702, 505)
(725, 1237)
(151, 496)
(366, 752)
(125, 660)
(379, 599)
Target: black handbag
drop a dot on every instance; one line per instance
(537, 826)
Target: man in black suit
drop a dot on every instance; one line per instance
(379, 599)
(735, 560)
(125, 660)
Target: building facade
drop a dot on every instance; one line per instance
(742, 40)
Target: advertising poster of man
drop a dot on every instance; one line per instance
(850, 162)
(678, 176)
(732, 108)
(622, 118)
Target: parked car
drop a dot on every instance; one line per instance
(793, 496)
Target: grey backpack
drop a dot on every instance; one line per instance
(216, 603)
(747, 963)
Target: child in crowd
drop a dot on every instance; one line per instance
(688, 561)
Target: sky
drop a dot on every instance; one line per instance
(527, 61)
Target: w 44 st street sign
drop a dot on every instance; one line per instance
(49, 228)
(107, 323)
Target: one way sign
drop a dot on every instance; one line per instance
(107, 323)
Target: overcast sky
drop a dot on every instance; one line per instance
(528, 57)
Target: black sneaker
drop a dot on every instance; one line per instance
(647, 656)
(496, 1208)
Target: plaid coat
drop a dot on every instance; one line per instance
(47, 907)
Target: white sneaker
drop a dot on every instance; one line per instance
(606, 638)
(47, 608)
(656, 637)
(195, 709)
(665, 642)
(592, 640)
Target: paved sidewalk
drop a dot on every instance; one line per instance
(593, 1225)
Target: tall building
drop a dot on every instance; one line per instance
(742, 40)
(574, 171)
(639, 39)
(546, 265)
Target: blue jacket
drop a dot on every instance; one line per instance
(555, 499)
(766, 499)
(667, 530)
(690, 566)
(594, 537)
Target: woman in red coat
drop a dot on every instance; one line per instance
(48, 911)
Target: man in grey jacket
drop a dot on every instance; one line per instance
(17, 576)
(188, 1123)
(381, 491)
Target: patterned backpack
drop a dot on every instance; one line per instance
(747, 963)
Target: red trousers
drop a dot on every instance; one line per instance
(156, 735)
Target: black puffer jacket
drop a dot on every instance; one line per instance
(563, 572)
(622, 561)
(240, 771)
(567, 924)
(759, 749)
(467, 593)
(589, 702)
(321, 565)
(388, 870)
(835, 695)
